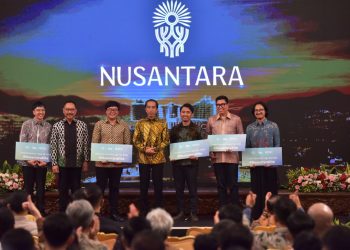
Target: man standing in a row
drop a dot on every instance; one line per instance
(112, 130)
(35, 130)
(186, 171)
(150, 138)
(225, 163)
(69, 152)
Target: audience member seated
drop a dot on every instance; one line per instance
(147, 240)
(58, 232)
(161, 223)
(7, 221)
(93, 194)
(337, 238)
(280, 238)
(131, 228)
(17, 239)
(236, 236)
(205, 242)
(323, 217)
(307, 240)
(21, 205)
(86, 224)
(298, 222)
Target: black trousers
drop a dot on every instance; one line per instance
(226, 178)
(112, 177)
(186, 175)
(157, 179)
(35, 176)
(263, 180)
(69, 180)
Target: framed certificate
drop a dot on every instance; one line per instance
(27, 151)
(111, 152)
(184, 150)
(262, 157)
(229, 142)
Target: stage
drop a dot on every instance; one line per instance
(208, 200)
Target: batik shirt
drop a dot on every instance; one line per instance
(151, 133)
(263, 134)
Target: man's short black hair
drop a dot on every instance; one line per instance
(221, 97)
(205, 241)
(231, 212)
(299, 221)
(92, 193)
(147, 240)
(262, 104)
(151, 100)
(307, 240)
(283, 208)
(37, 104)
(17, 239)
(112, 104)
(187, 105)
(236, 236)
(16, 199)
(337, 238)
(70, 101)
(134, 226)
(7, 220)
(57, 229)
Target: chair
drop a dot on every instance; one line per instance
(194, 231)
(269, 229)
(181, 243)
(107, 239)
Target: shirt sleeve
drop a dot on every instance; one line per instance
(54, 145)
(86, 143)
(138, 143)
(96, 134)
(165, 137)
(276, 137)
(239, 126)
(127, 136)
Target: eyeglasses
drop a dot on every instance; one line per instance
(221, 105)
(259, 110)
(112, 109)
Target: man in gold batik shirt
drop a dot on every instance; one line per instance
(150, 138)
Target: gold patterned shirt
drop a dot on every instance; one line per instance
(107, 133)
(151, 133)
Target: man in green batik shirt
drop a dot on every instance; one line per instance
(150, 138)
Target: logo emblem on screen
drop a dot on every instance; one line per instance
(171, 22)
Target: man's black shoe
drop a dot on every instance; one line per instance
(179, 216)
(117, 218)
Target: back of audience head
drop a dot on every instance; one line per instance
(307, 240)
(7, 220)
(236, 236)
(205, 242)
(323, 216)
(80, 213)
(337, 238)
(58, 230)
(92, 193)
(147, 240)
(132, 227)
(282, 209)
(299, 221)
(16, 200)
(231, 212)
(161, 222)
(17, 239)
(270, 203)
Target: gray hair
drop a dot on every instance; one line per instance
(81, 213)
(161, 222)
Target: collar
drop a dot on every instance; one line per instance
(36, 122)
(189, 125)
(74, 120)
(155, 119)
(229, 116)
(261, 123)
(107, 121)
